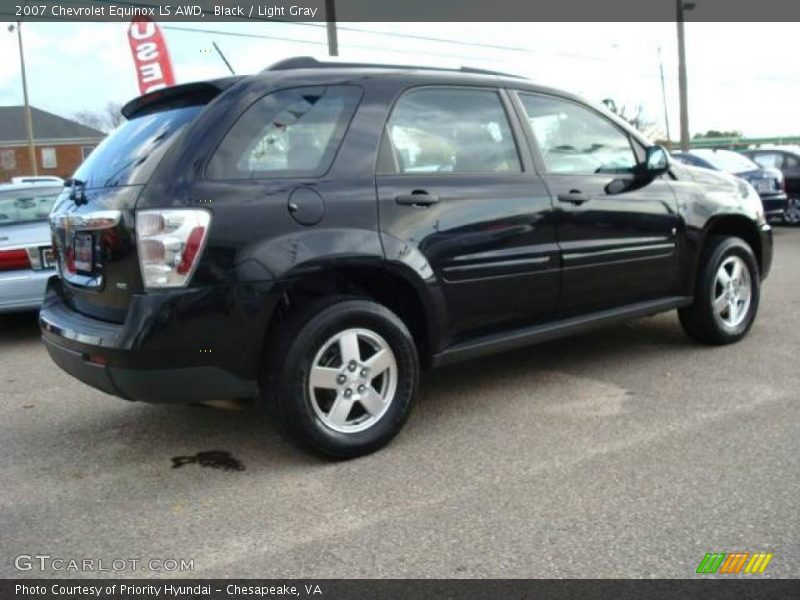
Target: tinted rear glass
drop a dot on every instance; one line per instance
(289, 132)
(26, 205)
(131, 152)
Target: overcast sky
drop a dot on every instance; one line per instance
(741, 75)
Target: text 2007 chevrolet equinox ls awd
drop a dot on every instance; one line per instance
(319, 232)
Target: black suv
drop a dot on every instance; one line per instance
(318, 232)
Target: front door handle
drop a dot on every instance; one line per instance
(418, 198)
(575, 197)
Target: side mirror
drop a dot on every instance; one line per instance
(656, 161)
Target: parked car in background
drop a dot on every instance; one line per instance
(787, 159)
(51, 179)
(26, 255)
(769, 182)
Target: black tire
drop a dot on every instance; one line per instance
(291, 353)
(792, 215)
(699, 320)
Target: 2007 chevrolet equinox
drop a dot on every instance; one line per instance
(318, 232)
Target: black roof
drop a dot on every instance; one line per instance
(46, 126)
(310, 69)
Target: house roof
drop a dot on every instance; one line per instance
(46, 126)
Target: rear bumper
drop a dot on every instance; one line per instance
(22, 290)
(177, 385)
(172, 348)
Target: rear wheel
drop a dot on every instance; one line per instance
(792, 214)
(340, 376)
(727, 294)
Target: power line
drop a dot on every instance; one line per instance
(349, 28)
(408, 35)
(343, 28)
(374, 32)
(323, 43)
(245, 35)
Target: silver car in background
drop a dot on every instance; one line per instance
(26, 256)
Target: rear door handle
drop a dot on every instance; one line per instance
(575, 197)
(416, 198)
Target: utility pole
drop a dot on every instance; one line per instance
(330, 18)
(28, 118)
(682, 83)
(664, 99)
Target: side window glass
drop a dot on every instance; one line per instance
(447, 130)
(790, 162)
(574, 139)
(289, 132)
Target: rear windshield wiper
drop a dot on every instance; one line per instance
(76, 193)
(71, 181)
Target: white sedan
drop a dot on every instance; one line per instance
(26, 255)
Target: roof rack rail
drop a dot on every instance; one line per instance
(309, 62)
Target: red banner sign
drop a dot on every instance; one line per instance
(153, 67)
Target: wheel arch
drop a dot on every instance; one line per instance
(385, 283)
(735, 225)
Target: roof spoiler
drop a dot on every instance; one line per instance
(309, 62)
(184, 94)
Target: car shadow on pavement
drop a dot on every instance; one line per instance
(163, 432)
(160, 434)
(19, 326)
(584, 355)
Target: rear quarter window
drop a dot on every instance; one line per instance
(289, 132)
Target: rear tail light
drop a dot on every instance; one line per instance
(14, 260)
(40, 258)
(34, 258)
(70, 261)
(170, 243)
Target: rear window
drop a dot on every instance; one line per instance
(131, 152)
(289, 132)
(725, 160)
(26, 205)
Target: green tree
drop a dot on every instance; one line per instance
(713, 133)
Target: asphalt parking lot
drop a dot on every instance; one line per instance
(629, 452)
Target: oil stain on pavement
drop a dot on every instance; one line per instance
(215, 459)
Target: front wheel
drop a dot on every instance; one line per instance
(727, 294)
(341, 375)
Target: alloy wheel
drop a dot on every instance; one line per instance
(732, 292)
(353, 380)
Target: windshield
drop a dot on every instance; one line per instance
(27, 204)
(725, 160)
(131, 152)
